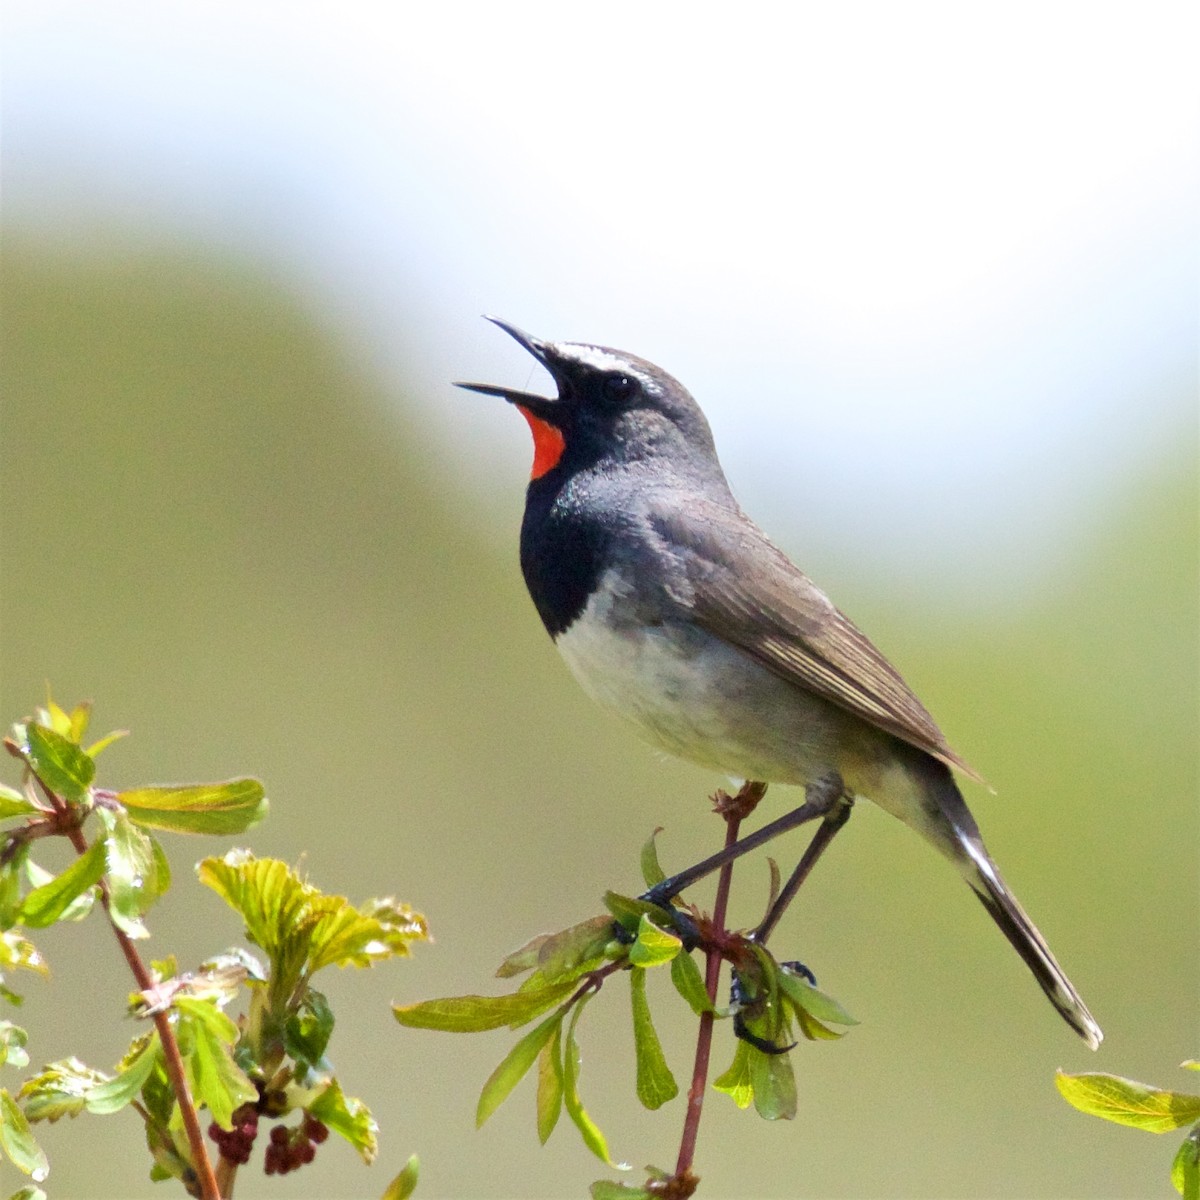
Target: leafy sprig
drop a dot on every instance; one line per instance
(1156, 1110)
(564, 970)
(268, 1063)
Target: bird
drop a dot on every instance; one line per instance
(674, 610)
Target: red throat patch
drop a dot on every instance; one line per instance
(548, 444)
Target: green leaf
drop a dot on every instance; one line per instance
(473, 1014)
(206, 1036)
(405, 1183)
(572, 952)
(46, 904)
(807, 998)
(12, 1045)
(593, 1139)
(349, 1118)
(308, 1029)
(653, 946)
(655, 1083)
(301, 928)
(344, 936)
(629, 911)
(689, 983)
(514, 1066)
(10, 887)
(28, 1193)
(14, 804)
(549, 1086)
(609, 1189)
(1127, 1102)
(112, 1095)
(60, 764)
(735, 1082)
(215, 808)
(138, 872)
(59, 1090)
(17, 1140)
(1185, 1170)
(99, 746)
(652, 873)
(774, 1085)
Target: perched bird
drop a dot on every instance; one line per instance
(673, 609)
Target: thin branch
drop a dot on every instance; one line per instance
(173, 1060)
(685, 1179)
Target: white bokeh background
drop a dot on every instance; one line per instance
(930, 269)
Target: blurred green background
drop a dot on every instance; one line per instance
(212, 529)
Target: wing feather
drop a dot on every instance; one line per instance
(741, 588)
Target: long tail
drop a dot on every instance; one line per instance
(962, 843)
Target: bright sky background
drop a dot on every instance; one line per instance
(931, 269)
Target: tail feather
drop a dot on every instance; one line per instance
(948, 823)
(986, 883)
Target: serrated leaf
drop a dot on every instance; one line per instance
(14, 804)
(1127, 1102)
(653, 946)
(348, 1117)
(213, 808)
(549, 1086)
(17, 1140)
(206, 1036)
(689, 983)
(61, 765)
(593, 1139)
(735, 1081)
(403, 1186)
(59, 1090)
(300, 927)
(112, 1095)
(1185, 1169)
(46, 904)
(774, 1085)
(345, 936)
(513, 1067)
(473, 1014)
(655, 1083)
(652, 872)
(810, 1000)
(138, 872)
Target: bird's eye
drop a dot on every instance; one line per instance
(620, 387)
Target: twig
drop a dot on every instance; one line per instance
(685, 1179)
(173, 1060)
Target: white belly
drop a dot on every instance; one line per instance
(704, 700)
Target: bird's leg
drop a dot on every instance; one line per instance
(822, 798)
(836, 816)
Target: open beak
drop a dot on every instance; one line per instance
(540, 406)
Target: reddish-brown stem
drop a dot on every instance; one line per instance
(173, 1060)
(712, 976)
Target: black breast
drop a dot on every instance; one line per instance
(562, 550)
